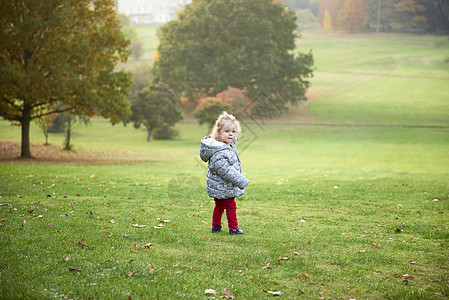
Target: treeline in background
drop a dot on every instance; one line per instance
(413, 16)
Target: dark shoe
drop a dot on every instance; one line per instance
(235, 231)
(216, 228)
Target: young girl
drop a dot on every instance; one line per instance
(224, 177)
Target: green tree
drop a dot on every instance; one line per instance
(240, 43)
(61, 51)
(438, 15)
(409, 14)
(418, 15)
(155, 106)
(45, 123)
(71, 120)
(442, 5)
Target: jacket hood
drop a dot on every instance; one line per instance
(210, 146)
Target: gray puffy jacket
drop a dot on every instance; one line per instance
(224, 178)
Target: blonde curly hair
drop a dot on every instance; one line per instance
(219, 124)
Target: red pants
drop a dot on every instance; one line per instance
(230, 206)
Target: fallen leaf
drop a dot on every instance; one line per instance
(206, 239)
(210, 292)
(81, 245)
(267, 266)
(303, 276)
(163, 221)
(66, 259)
(74, 270)
(411, 262)
(296, 253)
(151, 271)
(277, 293)
(176, 272)
(139, 226)
(228, 294)
(147, 245)
(377, 245)
(282, 258)
(406, 276)
(107, 227)
(239, 271)
(131, 273)
(204, 222)
(112, 221)
(137, 246)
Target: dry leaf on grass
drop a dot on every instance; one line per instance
(74, 270)
(139, 226)
(211, 292)
(277, 293)
(228, 294)
(267, 266)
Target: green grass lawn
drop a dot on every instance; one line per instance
(353, 209)
(332, 212)
(379, 78)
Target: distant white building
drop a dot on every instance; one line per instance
(150, 11)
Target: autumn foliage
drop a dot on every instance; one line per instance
(232, 99)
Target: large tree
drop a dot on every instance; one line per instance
(61, 51)
(240, 43)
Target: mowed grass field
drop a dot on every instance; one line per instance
(356, 210)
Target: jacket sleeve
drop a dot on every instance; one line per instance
(219, 164)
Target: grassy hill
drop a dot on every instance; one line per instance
(388, 79)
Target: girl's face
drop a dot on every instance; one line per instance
(228, 133)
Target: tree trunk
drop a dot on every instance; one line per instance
(149, 131)
(25, 124)
(379, 10)
(67, 138)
